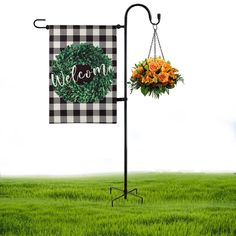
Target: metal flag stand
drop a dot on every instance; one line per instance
(124, 191)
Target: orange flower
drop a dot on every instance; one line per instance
(173, 75)
(134, 74)
(155, 79)
(163, 77)
(146, 80)
(174, 70)
(154, 66)
(140, 70)
(165, 67)
(150, 73)
(149, 60)
(171, 82)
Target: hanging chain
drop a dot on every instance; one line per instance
(150, 50)
(153, 43)
(159, 43)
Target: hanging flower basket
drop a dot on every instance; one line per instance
(154, 76)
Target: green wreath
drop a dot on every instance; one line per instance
(87, 55)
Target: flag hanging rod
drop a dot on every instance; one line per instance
(48, 26)
(118, 26)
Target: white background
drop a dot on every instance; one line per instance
(192, 129)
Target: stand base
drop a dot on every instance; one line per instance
(125, 194)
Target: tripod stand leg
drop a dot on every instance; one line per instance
(135, 195)
(115, 189)
(135, 189)
(116, 199)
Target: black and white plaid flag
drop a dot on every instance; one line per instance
(66, 109)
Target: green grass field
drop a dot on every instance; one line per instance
(174, 204)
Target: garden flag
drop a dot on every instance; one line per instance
(82, 78)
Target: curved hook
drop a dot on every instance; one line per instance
(148, 11)
(40, 27)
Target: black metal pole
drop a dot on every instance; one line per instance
(125, 110)
(125, 191)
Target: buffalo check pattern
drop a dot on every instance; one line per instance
(103, 111)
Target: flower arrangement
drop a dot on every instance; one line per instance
(154, 76)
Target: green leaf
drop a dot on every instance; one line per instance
(181, 79)
(146, 67)
(144, 90)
